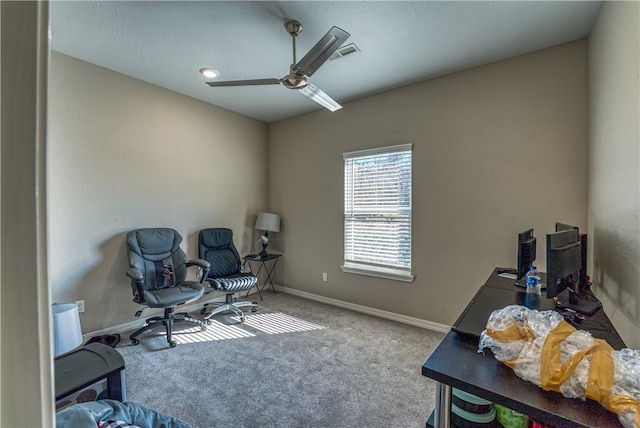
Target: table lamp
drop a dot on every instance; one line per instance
(269, 223)
(67, 333)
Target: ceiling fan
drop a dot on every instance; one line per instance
(299, 71)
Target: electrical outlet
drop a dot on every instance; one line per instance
(324, 277)
(80, 304)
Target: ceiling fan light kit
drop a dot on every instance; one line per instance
(316, 94)
(300, 71)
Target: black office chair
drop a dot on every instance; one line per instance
(225, 274)
(158, 271)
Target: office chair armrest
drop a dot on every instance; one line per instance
(135, 274)
(203, 265)
(137, 285)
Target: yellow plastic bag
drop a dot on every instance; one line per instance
(544, 349)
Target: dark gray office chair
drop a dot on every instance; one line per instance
(225, 274)
(158, 271)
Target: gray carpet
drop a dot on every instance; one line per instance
(303, 364)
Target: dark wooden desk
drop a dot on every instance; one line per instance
(456, 363)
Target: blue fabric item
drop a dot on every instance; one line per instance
(116, 424)
(87, 415)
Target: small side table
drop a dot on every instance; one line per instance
(269, 268)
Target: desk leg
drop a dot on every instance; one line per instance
(442, 412)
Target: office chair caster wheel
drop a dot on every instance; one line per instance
(134, 342)
(254, 309)
(209, 322)
(242, 320)
(204, 326)
(203, 311)
(172, 344)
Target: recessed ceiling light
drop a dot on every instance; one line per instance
(210, 73)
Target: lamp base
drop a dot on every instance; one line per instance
(263, 253)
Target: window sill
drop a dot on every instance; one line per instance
(394, 275)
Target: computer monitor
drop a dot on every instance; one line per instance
(564, 263)
(562, 226)
(526, 252)
(583, 279)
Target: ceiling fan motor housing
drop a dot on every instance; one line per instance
(294, 80)
(293, 27)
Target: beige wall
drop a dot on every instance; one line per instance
(26, 372)
(124, 154)
(614, 164)
(497, 149)
(449, 131)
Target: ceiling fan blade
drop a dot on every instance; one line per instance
(316, 94)
(321, 52)
(245, 82)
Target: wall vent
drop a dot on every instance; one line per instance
(345, 50)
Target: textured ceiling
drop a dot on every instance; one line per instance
(166, 43)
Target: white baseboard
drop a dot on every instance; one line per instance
(442, 328)
(148, 313)
(132, 325)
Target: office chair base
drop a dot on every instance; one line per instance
(229, 307)
(167, 321)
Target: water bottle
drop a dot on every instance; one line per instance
(533, 281)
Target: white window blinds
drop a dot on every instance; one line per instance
(377, 208)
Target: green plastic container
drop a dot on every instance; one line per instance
(510, 418)
(470, 402)
(463, 419)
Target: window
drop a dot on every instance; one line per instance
(377, 212)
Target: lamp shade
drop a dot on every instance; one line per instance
(67, 333)
(268, 221)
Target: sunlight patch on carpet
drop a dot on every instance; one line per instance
(214, 332)
(277, 322)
